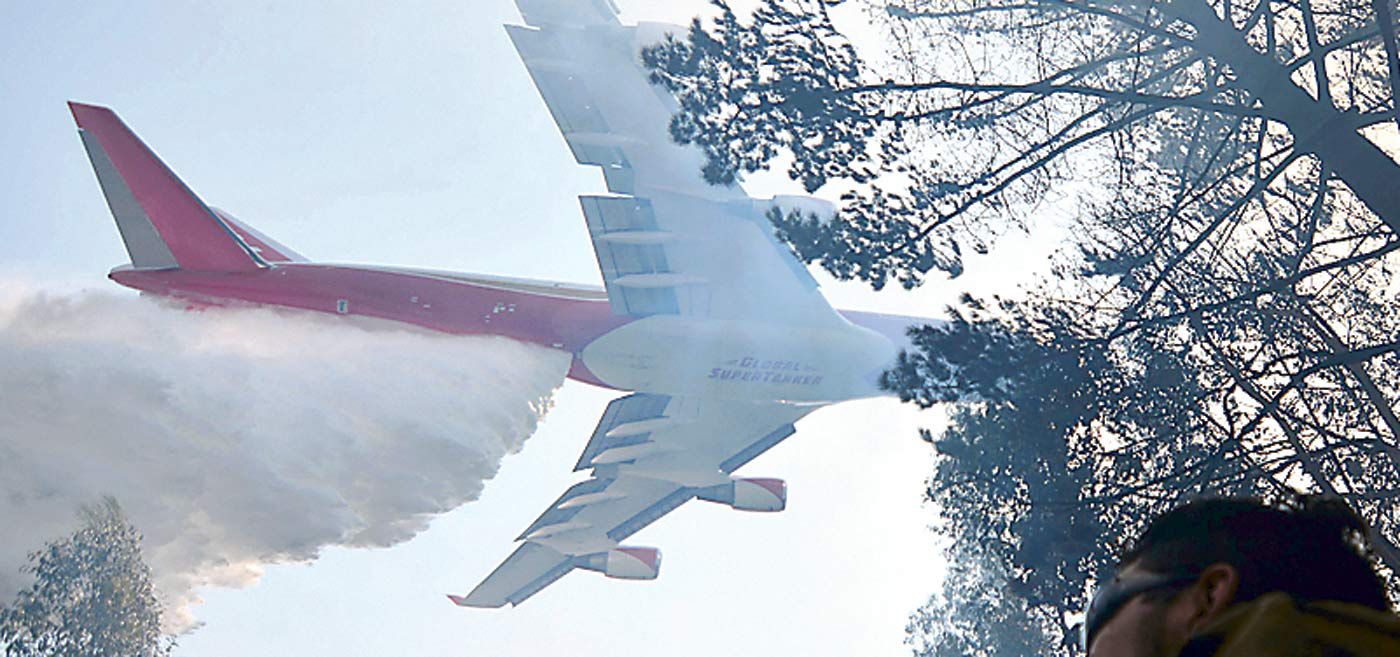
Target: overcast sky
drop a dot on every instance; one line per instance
(412, 135)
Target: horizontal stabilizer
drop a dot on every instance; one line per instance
(162, 222)
(266, 248)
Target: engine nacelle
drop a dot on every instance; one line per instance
(762, 494)
(625, 563)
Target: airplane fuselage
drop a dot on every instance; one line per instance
(676, 355)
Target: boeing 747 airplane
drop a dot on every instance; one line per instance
(716, 332)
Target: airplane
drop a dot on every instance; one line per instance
(715, 330)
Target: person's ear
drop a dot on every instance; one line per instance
(1213, 592)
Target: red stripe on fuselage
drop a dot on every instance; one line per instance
(454, 307)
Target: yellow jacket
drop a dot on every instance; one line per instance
(1274, 626)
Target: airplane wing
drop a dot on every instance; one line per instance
(667, 242)
(649, 455)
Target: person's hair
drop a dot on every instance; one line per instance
(1310, 547)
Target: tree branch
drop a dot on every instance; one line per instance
(1198, 101)
(1317, 55)
(1383, 17)
(1176, 259)
(1358, 371)
(1385, 549)
(1368, 171)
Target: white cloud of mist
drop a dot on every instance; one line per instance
(239, 437)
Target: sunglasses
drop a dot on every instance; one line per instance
(1111, 597)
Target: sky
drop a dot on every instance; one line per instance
(411, 135)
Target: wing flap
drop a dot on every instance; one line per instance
(622, 412)
(608, 112)
(653, 512)
(619, 226)
(530, 568)
(558, 512)
(573, 102)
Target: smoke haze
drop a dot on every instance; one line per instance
(239, 437)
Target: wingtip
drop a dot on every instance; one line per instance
(465, 601)
(84, 112)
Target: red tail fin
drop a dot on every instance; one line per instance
(162, 222)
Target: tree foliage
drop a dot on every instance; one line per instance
(790, 82)
(1055, 450)
(92, 595)
(1223, 318)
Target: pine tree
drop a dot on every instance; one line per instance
(92, 595)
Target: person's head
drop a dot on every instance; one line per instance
(1195, 561)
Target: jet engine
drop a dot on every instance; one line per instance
(762, 494)
(625, 563)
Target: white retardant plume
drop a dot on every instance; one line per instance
(239, 437)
